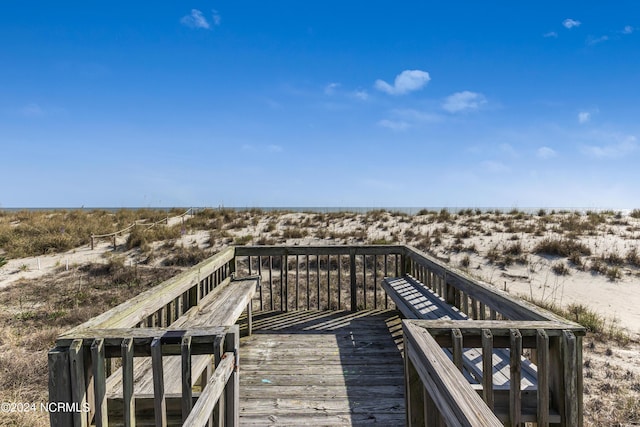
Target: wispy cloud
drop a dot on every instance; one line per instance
(405, 82)
(197, 20)
(362, 95)
(546, 153)
(216, 17)
(571, 23)
(552, 34)
(464, 101)
(275, 148)
(584, 117)
(330, 89)
(625, 145)
(595, 40)
(628, 29)
(396, 125)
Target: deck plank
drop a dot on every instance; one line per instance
(323, 368)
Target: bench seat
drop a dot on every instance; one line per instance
(221, 307)
(417, 301)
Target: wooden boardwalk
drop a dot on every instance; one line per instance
(323, 368)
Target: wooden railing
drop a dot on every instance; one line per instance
(321, 277)
(155, 308)
(442, 392)
(325, 278)
(83, 355)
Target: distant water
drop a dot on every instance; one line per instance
(330, 209)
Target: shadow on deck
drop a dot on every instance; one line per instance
(323, 367)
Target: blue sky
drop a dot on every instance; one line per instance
(288, 103)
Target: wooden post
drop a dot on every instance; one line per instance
(159, 402)
(78, 385)
(413, 391)
(515, 392)
(187, 398)
(542, 351)
(569, 359)
(92, 242)
(128, 401)
(59, 385)
(456, 338)
(232, 391)
(353, 280)
(487, 367)
(99, 378)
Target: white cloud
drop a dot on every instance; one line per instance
(550, 34)
(595, 40)
(628, 29)
(216, 17)
(275, 148)
(570, 23)
(406, 81)
(626, 145)
(464, 101)
(196, 20)
(330, 89)
(394, 125)
(584, 116)
(361, 95)
(546, 153)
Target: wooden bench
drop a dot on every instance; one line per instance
(416, 301)
(221, 307)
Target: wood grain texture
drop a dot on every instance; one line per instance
(322, 368)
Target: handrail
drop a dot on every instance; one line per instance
(189, 286)
(557, 350)
(85, 376)
(460, 290)
(448, 394)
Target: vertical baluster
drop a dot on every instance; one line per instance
(515, 393)
(128, 402)
(260, 275)
(271, 281)
(339, 282)
(297, 282)
(187, 397)
(375, 281)
(308, 284)
(364, 279)
(99, 382)
(78, 387)
(487, 367)
(542, 350)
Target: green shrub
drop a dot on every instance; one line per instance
(561, 247)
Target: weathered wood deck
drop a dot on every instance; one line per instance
(324, 368)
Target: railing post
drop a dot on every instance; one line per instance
(232, 391)
(353, 280)
(570, 368)
(59, 385)
(78, 385)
